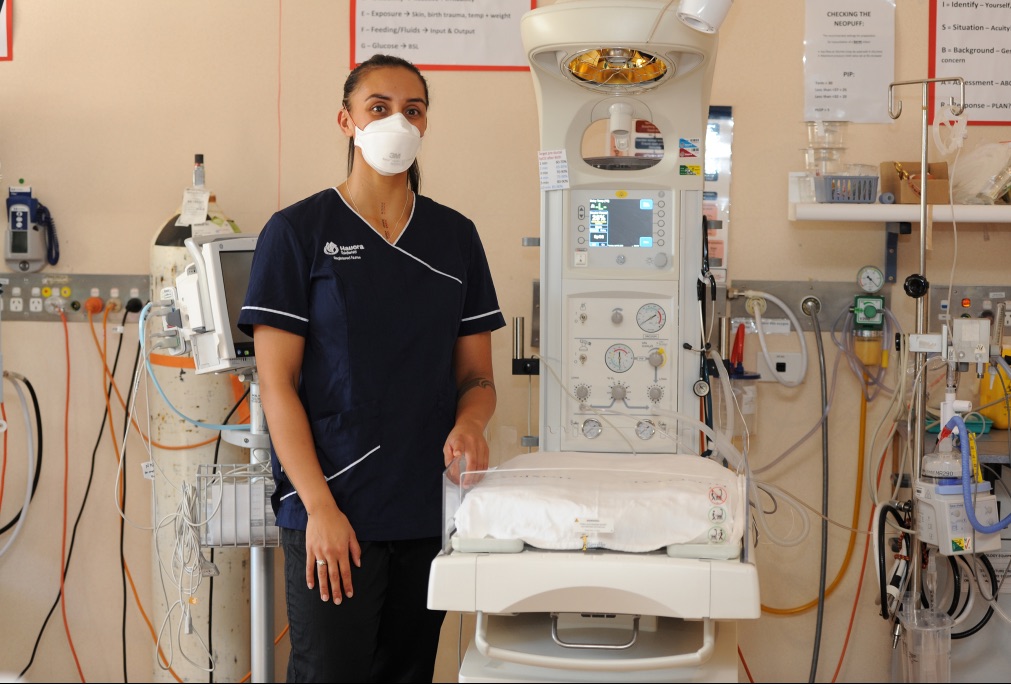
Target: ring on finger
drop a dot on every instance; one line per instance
(321, 562)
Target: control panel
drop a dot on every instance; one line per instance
(619, 366)
(622, 230)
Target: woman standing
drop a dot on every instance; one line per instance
(372, 309)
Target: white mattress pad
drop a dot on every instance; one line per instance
(627, 503)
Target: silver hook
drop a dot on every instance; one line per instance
(895, 107)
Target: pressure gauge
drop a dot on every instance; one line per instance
(592, 428)
(645, 430)
(870, 279)
(651, 318)
(619, 358)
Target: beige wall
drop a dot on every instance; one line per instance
(102, 110)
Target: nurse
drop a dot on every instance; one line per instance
(371, 309)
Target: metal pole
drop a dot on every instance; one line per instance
(261, 571)
(922, 302)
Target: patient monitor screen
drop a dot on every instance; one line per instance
(621, 222)
(235, 267)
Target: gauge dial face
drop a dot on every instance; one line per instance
(619, 357)
(651, 317)
(870, 279)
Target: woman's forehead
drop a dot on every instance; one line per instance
(387, 82)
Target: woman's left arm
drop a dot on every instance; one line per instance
(475, 404)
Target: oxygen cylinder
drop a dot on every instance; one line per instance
(179, 448)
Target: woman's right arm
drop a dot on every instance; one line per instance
(329, 536)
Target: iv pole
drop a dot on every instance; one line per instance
(917, 286)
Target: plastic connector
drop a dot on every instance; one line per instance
(93, 305)
(114, 305)
(55, 304)
(134, 305)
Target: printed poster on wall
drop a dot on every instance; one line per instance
(972, 40)
(6, 34)
(441, 34)
(849, 59)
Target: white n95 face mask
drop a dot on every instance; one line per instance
(389, 145)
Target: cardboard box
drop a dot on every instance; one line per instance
(904, 192)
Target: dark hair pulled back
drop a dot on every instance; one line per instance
(351, 83)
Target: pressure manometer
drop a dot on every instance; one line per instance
(870, 278)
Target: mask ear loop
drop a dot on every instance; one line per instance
(944, 116)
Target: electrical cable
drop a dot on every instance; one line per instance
(22, 516)
(994, 589)
(210, 594)
(860, 580)
(16, 377)
(150, 370)
(858, 495)
(66, 488)
(823, 564)
(883, 513)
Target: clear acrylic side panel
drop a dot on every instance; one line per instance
(234, 506)
(452, 496)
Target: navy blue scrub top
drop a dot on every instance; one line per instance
(380, 322)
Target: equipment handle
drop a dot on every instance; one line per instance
(582, 663)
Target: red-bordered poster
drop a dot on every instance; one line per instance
(441, 34)
(6, 30)
(972, 40)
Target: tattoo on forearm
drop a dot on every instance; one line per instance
(476, 382)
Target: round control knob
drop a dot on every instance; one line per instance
(655, 393)
(618, 392)
(656, 358)
(660, 260)
(582, 392)
(916, 286)
(617, 316)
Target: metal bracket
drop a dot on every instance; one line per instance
(894, 229)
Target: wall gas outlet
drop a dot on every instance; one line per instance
(787, 366)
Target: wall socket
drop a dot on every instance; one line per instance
(40, 296)
(787, 366)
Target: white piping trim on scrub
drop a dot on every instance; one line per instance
(271, 310)
(438, 272)
(346, 468)
(483, 315)
(394, 245)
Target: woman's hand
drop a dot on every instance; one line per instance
(330, 549)
(467, 439)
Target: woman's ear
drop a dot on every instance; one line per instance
(345, 123)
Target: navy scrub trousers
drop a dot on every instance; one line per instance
(388, 613)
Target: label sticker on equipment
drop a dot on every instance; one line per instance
(585, 526)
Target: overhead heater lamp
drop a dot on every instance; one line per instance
(624, 67)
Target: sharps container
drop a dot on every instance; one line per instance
(926, 645)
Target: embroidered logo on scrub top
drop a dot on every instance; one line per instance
(349, 252)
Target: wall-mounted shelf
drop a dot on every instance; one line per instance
(905, 212)
(898, 219)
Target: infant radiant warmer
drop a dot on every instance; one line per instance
(613, 554)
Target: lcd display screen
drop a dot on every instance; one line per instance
(621, 222)
(235, 268)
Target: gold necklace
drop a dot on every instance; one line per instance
(387, 230)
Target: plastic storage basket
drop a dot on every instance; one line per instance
(845, 189)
